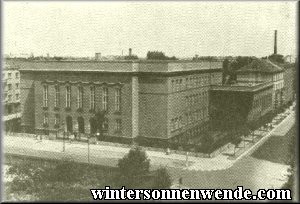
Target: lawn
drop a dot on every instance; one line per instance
(276, 148)
(70, 183)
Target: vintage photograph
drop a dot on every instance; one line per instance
(149, 101)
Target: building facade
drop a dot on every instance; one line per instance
(11, 98)
(150, 99)
(239, 103)
(260, 70)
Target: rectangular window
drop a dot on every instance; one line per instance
(92, 98)
(9, 75)
(118, 125)
(56, 119)
(105, 125)
(173, 85)
(17, 75)
(68, 97)
(186, 83)
(45, 118)
(56, 97)
(45, 98)
(118, 99)
(80, 97)
(17, 97)
(9, 87)
(180, 84)
(105, 99)
(17, 85)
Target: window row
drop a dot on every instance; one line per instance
(80, 126)
(9, 75)
(189, 82)
(80, 97)
(9, 97)
(196, 98)
(189, 118)
(9, 87)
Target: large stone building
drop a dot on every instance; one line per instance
(11, 98)
(239, 103)
(260, 70)
(150, 99)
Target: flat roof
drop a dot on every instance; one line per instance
(262, 66)
(242, 87)
(144, 66)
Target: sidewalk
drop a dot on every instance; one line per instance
(109, 155)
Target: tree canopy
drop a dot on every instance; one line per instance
(133, 166)
(158, 55)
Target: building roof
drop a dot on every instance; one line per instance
(116, 66)
(242, 87)
(261, 65)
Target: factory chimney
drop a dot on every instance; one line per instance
(275, 43)
(130, 51)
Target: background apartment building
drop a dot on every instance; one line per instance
(11, 98)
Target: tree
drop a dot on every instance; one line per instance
(290, 184)
(131, 57)
(133, 166)
(162, 179)
(157, 55)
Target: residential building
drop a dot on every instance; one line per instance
(11, 97)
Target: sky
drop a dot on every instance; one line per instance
(180, 29)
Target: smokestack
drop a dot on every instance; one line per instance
(97, 56)
(275, 43)
(130, 50)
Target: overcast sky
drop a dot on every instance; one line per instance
(182, 29)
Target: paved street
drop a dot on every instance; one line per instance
(109, 155)
(201, 173)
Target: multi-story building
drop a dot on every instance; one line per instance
(289, 77)
(11, 97)
(150, 99)
(260, 70)
(240, 103)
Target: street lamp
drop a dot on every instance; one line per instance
(88, 137)
(63, 127)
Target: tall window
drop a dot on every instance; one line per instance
(118, 99)
(17, 75)
(45, 118)
(56, 119)
(56, 98)
(92, 98)
(80, 97)
(45, 98)
(105, 125)
(118, 125)
(68, 96)
(105, 98)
